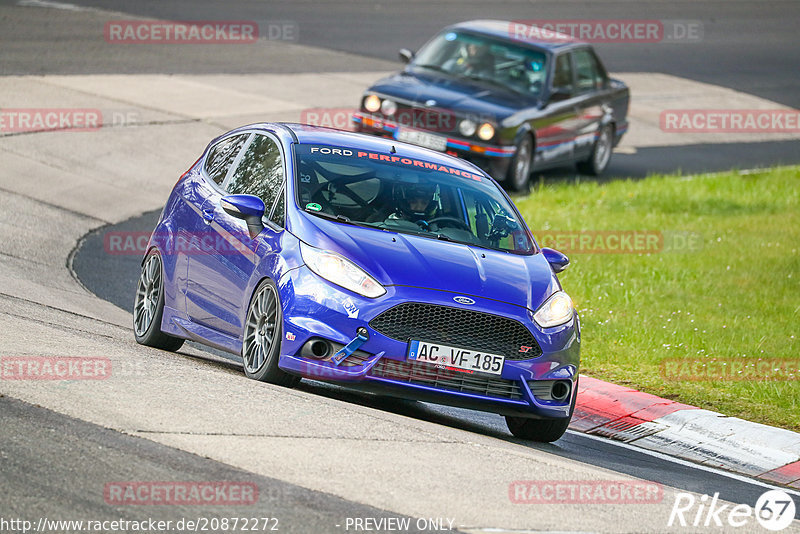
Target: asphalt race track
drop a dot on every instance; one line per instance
(319, 454)
(90, 262)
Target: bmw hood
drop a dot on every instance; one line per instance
(462, 96)
(409, 260)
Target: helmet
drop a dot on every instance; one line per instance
(415, 201)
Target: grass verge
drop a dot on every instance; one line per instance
(701, 309)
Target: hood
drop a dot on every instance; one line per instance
(428, 263)
(460, 95)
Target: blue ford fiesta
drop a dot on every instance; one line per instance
(355, 259)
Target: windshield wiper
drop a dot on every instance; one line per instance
(340, 218)
(487, 79)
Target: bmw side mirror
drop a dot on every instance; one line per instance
(406, 55)
(249, 208)
(558, 261)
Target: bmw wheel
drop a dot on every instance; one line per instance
(520, 170)
(261, 342)
(598, 160)
(148, 307)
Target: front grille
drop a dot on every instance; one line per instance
(459, 328)
(429, 119)
(430, 375)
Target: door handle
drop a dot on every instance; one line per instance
(208, 216)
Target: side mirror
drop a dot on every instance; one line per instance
(249, 208)
(558, 261)
(406, 55)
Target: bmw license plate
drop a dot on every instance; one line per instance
(435, 142)
(469, 360)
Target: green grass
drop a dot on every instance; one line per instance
(736, 295)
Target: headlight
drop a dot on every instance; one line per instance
(556, 310)
(467, 127)
(388, 107)
(372, 103)
(486, 131)
(342, 272)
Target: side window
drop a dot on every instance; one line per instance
(222, 155)
(590, 74)
(260, 171)
(562, 77)
(279, 212)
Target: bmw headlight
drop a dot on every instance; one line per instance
(486, 131)
(388, 107)
(372, 103)
(467, 127)
(340, 271)
(556, 310)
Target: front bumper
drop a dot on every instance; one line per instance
(314, 309)
(492, 158)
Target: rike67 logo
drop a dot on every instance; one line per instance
(774, 511)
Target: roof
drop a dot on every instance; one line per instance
(518, 31)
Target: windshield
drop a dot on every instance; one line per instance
(407, 195)
(477, 57)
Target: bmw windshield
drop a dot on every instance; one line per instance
(480, 58)
(407, 195)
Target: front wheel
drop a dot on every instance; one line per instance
(542, 430)
(598, 160)
(148, 307)
(261, 344)
(520, 170)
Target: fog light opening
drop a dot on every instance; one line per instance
(560, 390)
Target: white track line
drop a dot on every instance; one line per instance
(693, 465)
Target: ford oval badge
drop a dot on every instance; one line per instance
(464, 300)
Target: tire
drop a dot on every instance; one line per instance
(519, 172)
(541, 430)
(261, 342)
(598, 160)
(148, 307)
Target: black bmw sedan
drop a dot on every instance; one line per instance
(508, 102)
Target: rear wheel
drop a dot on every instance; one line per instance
(148, 307)
(598, 160)
(517, 178)
(261, 343)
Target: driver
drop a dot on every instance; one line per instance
(475, 60)
(414, 202)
